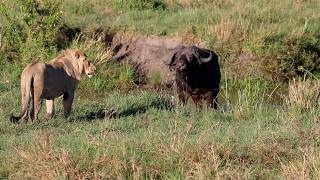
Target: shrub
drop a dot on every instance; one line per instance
(29, 29)
(302, 55)
(297, 56)
(138, 4)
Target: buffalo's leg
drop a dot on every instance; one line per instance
(182, 97)
(50, 108)
(67, 103)
(211, 99)
(197, 101)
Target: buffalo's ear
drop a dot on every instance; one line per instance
(172, 62)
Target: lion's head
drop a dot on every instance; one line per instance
(89, 68)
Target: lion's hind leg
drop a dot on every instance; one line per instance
(25, 116)
(37, 97)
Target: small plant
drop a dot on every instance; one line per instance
(250, 96)
(156, 80)
(127, 77)
(138, 4)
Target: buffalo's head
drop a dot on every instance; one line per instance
(185, 58)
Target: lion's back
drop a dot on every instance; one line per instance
(34, 68)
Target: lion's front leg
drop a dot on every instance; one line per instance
(67, 103)
(50, 108)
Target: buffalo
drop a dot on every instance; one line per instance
(197, 74)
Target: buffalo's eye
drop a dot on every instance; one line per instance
(181, 66)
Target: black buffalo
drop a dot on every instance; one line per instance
(197, 74)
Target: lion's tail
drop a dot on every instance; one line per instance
(26, 85)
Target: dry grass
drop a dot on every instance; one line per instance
(223, 30)
(307, 167)
(303, 94)
(41, 161)
(188, 36)
(94, 46)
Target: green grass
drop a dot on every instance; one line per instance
(283, 35)
(145, 137)
(267, 125)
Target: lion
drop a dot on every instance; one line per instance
(48, 81)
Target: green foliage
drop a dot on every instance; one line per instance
(29, 29)
(233, 27)
(84, 14)
(138, 4)
(127, 77)
(80, 7)
(110, 76)
(155, 80)
(247, 95)
(302, 56)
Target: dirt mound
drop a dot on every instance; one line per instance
(148, 54)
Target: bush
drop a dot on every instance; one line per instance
(301, 56)
(138, 4)
(29, 29)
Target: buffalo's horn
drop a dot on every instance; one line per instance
(205, 60)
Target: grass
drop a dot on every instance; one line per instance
(144, 137)
(267, 125)
(281, 34)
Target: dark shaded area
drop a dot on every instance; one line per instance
(140, 5)
(107, 34)
(162, 103)
(66, 35)
(159, 5)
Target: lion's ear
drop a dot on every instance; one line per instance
(77, 54)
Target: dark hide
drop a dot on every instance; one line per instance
(195, 78)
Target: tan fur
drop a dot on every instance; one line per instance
(48, 81)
